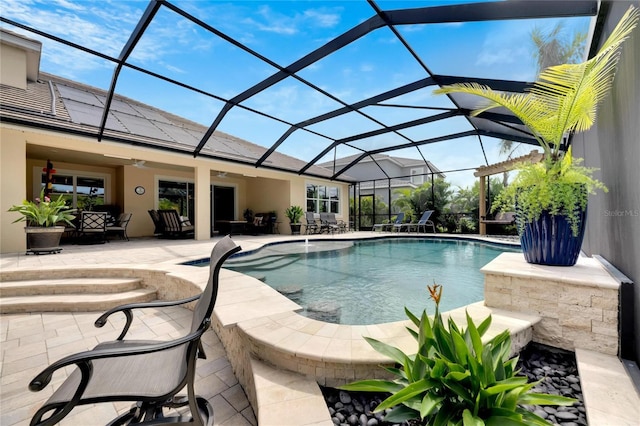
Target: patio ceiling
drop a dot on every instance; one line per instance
(397, 116)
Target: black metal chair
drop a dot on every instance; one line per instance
(120, 227)
(173, 226)
(312, 226)
(148, 373)
(157, 223)
(93, 227)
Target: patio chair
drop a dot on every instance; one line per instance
(329, 223)
(92, 227)
(148, 373)
(389, 226)
(312, 226)
(157, 223)
(423, 222)
(120, 227)
(173, 226)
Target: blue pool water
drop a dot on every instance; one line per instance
(371, 281)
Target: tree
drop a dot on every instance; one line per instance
(552, 48)
(415, 201)
(364, 216)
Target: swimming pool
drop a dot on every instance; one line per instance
(371, 281)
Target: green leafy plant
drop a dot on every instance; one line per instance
(294, 213)
(88, 202)
(564, 100)
(44, 212)
(557, 190)
(455, 378)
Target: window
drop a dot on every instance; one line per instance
(417, 176)
(178, 196)
(78, 190)
(323, 199)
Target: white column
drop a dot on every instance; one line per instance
(203, 203)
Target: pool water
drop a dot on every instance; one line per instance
(370, 282)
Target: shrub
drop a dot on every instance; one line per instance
(454, 378)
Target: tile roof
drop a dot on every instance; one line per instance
(56, 103)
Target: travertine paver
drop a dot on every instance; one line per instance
(30, 342)
(18, 331)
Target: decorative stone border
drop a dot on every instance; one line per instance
(578, 304)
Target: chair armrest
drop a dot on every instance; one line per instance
(83, 359)
(126, 309)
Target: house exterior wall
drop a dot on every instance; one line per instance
(268, 190)
(613, 145)
(13, 67)
(13, 187)
(369, 170)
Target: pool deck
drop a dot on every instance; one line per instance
(32, 341)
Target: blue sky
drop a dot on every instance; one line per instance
(285, 31)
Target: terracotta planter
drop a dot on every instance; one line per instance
(44, 239)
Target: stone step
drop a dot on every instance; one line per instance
(286, 398)
(74, 302)
(610, 397)
(68, 286)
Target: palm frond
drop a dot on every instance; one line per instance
(565, 97)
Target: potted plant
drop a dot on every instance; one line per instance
(294, 214)
(43, 216)
(248, 215)
(550, 197)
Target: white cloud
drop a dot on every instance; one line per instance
(367, 68)
(321, 18)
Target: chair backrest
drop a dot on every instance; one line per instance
(399, 218)
(170, 220)
(204, 307)
(93, 221)
(506, 216)
(157, 223)
(123, 219)
(425, 217)
(310, 217)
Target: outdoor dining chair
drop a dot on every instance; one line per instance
(148, 373)
(93, 227)
(120, 227)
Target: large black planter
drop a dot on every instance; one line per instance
(549, 240)
(42, 240)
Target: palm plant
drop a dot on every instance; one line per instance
(563, 101)
(550, 49)
(565, 97)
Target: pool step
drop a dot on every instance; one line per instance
(71, 294)
(68, 286)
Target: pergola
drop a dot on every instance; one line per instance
(485, 171)
(327, 136)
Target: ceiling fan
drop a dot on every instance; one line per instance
(222, 175)
(139, 164)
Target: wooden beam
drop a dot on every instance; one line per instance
(504, 166)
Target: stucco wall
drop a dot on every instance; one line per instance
(13, 67)
(13, 187)
(613, 145)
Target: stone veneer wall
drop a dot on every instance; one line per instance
(578, 305)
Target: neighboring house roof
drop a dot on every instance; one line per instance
(55, 103)
(400, 161)
(382, 183)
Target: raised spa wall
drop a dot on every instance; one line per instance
(578, 305)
